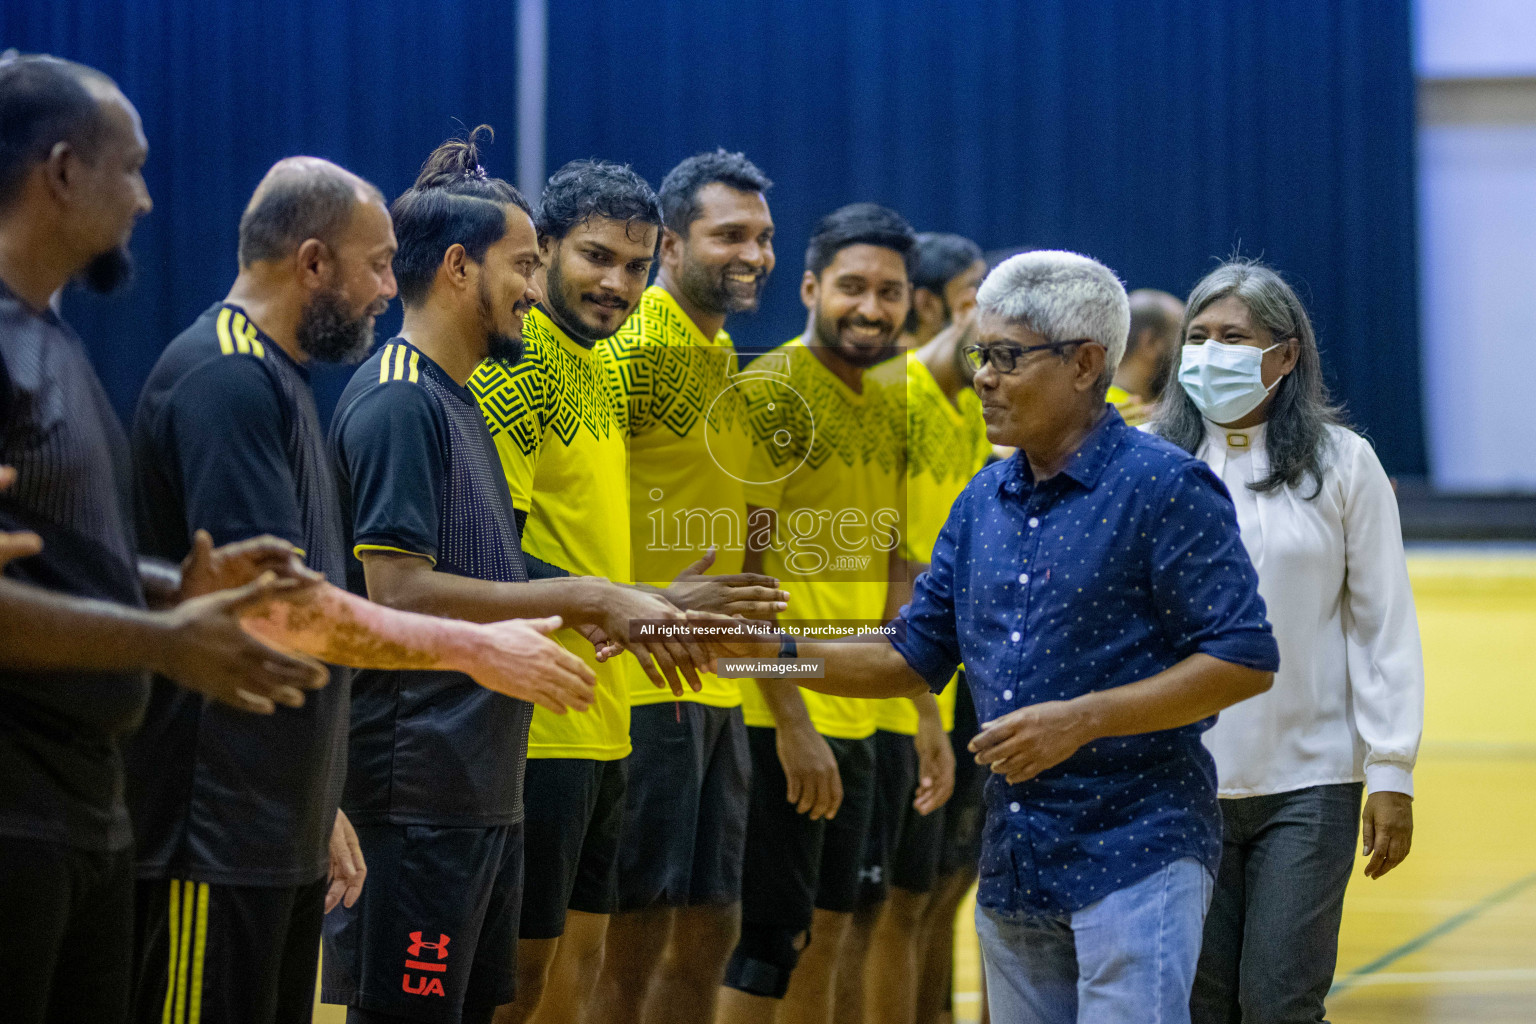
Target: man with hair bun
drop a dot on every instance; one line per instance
(436, 776)
(242, 848)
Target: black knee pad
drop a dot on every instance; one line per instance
(764, 959)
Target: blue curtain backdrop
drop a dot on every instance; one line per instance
(1155, 135)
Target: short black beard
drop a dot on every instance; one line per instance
(827, 336)
(705, 287)
(108, 271)
(561, 312)
(329, 333)
(499, 347)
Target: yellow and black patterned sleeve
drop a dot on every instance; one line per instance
(628, 360)
(515, 402)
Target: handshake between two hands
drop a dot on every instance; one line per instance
(678, 641)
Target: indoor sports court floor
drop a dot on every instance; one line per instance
(1450, 936)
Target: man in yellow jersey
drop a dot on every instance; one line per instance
(946, 271)
(685, 821)
(824, 496)
(1149, 354)
(560, 437)
(946, 445)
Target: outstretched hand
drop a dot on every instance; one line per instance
(744, 593)
(517, 658)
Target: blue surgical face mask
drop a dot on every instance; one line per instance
(1224, 381)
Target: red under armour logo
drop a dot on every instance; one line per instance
(425, 986)
(416, 946)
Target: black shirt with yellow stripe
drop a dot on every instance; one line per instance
(226, 439)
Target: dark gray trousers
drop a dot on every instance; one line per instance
(1272, 934)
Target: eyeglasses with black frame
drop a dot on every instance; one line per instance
(1005, 356)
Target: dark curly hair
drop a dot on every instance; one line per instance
(584, 189)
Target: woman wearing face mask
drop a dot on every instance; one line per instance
(1319, 519)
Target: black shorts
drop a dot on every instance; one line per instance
(903, 846)
(794, 864)
(965, 812)
(685, 810)
(573, 811)
(66, 944)
(236, 953)
(434, 934)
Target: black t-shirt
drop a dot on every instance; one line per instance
(61, 767)
(226, 439)
(419, 473)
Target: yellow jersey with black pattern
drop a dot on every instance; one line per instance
(559, 434)
(829, 461)
(686, 423)
(946, 446)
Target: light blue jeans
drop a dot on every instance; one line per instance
(1127, 959)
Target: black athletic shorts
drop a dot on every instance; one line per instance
(794, 864)
(685, 810)
(965, 813)
(903, 846)
(433, 937)
(243, 954)
(66, 941)
(573, 811)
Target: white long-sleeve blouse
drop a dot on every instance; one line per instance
(1348, 702)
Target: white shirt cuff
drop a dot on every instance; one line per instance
(1387, 777)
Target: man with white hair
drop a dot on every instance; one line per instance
(1097, 591)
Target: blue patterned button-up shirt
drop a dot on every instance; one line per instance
(1121, 565)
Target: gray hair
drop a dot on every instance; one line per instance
(1061, 296)
(1296, 434)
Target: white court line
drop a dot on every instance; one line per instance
(1447, 977)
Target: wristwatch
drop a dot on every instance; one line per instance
(787, 646)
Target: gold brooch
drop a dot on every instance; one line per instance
(1237, 440)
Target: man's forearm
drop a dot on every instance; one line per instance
(44, 631)
(927, 707)
(576, 599)
(343, 629)
(869, 670)
(1195, 688)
